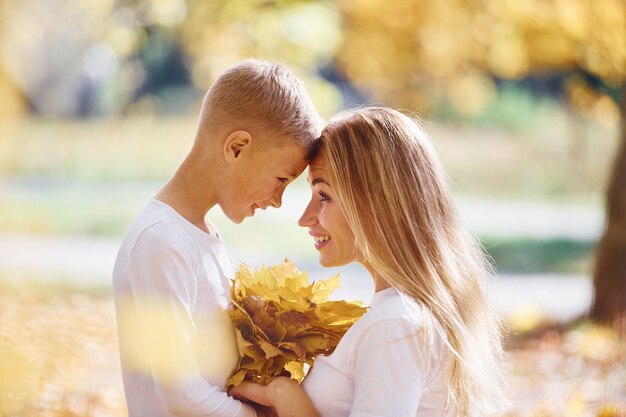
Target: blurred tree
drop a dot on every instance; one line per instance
(209, 36)
(416, 53)
(75, 58)
(609, 302)
(59, 54)
(303, 34)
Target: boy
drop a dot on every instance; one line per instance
(256, 133)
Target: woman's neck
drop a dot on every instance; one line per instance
(379, 282)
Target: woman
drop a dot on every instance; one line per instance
(429, 345)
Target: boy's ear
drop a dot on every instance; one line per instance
(236, 143)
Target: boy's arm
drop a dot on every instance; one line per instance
(164, 287)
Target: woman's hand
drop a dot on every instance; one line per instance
(264, 394)
(263, 411)
(252, 392)
(282, 394)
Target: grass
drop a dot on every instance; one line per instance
(116, 149)
(558, 158)
(108, 208)
(44, 206)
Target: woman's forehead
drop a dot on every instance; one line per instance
(317, 170)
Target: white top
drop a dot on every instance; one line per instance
(387, 364)
(177, 343)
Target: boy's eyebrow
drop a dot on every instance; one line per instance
(290, 176)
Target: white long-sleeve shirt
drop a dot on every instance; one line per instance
(388, 364)
(177, 344)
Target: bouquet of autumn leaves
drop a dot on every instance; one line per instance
(283, 323)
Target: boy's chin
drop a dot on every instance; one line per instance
(235, 217)
(238, 219)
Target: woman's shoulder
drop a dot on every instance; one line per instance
(390, 304)
(397, 327)
(394, 315)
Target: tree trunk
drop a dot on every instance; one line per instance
(609, 301)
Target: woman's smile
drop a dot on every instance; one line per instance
(320, 240)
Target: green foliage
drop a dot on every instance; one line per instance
(531, 255)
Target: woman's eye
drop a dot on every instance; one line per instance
(324, 197)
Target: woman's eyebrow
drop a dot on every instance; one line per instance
(318, 180)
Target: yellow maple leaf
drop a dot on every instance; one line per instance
(282, 322)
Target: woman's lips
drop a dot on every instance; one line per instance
(321, 241)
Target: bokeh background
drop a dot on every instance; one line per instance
(98, 105)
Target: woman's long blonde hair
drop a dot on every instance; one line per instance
(394, 194)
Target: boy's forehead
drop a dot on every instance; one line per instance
(292, 157)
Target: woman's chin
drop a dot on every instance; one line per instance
(331, 263)
(325, 262)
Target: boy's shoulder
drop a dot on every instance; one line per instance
(155, 230)
(153, 216)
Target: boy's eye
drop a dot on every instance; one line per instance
(283, 180)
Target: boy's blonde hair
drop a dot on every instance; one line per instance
(395, 196)
(257, 95)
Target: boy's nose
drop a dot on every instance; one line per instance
(277, 199)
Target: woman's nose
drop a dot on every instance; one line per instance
(307, 219)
